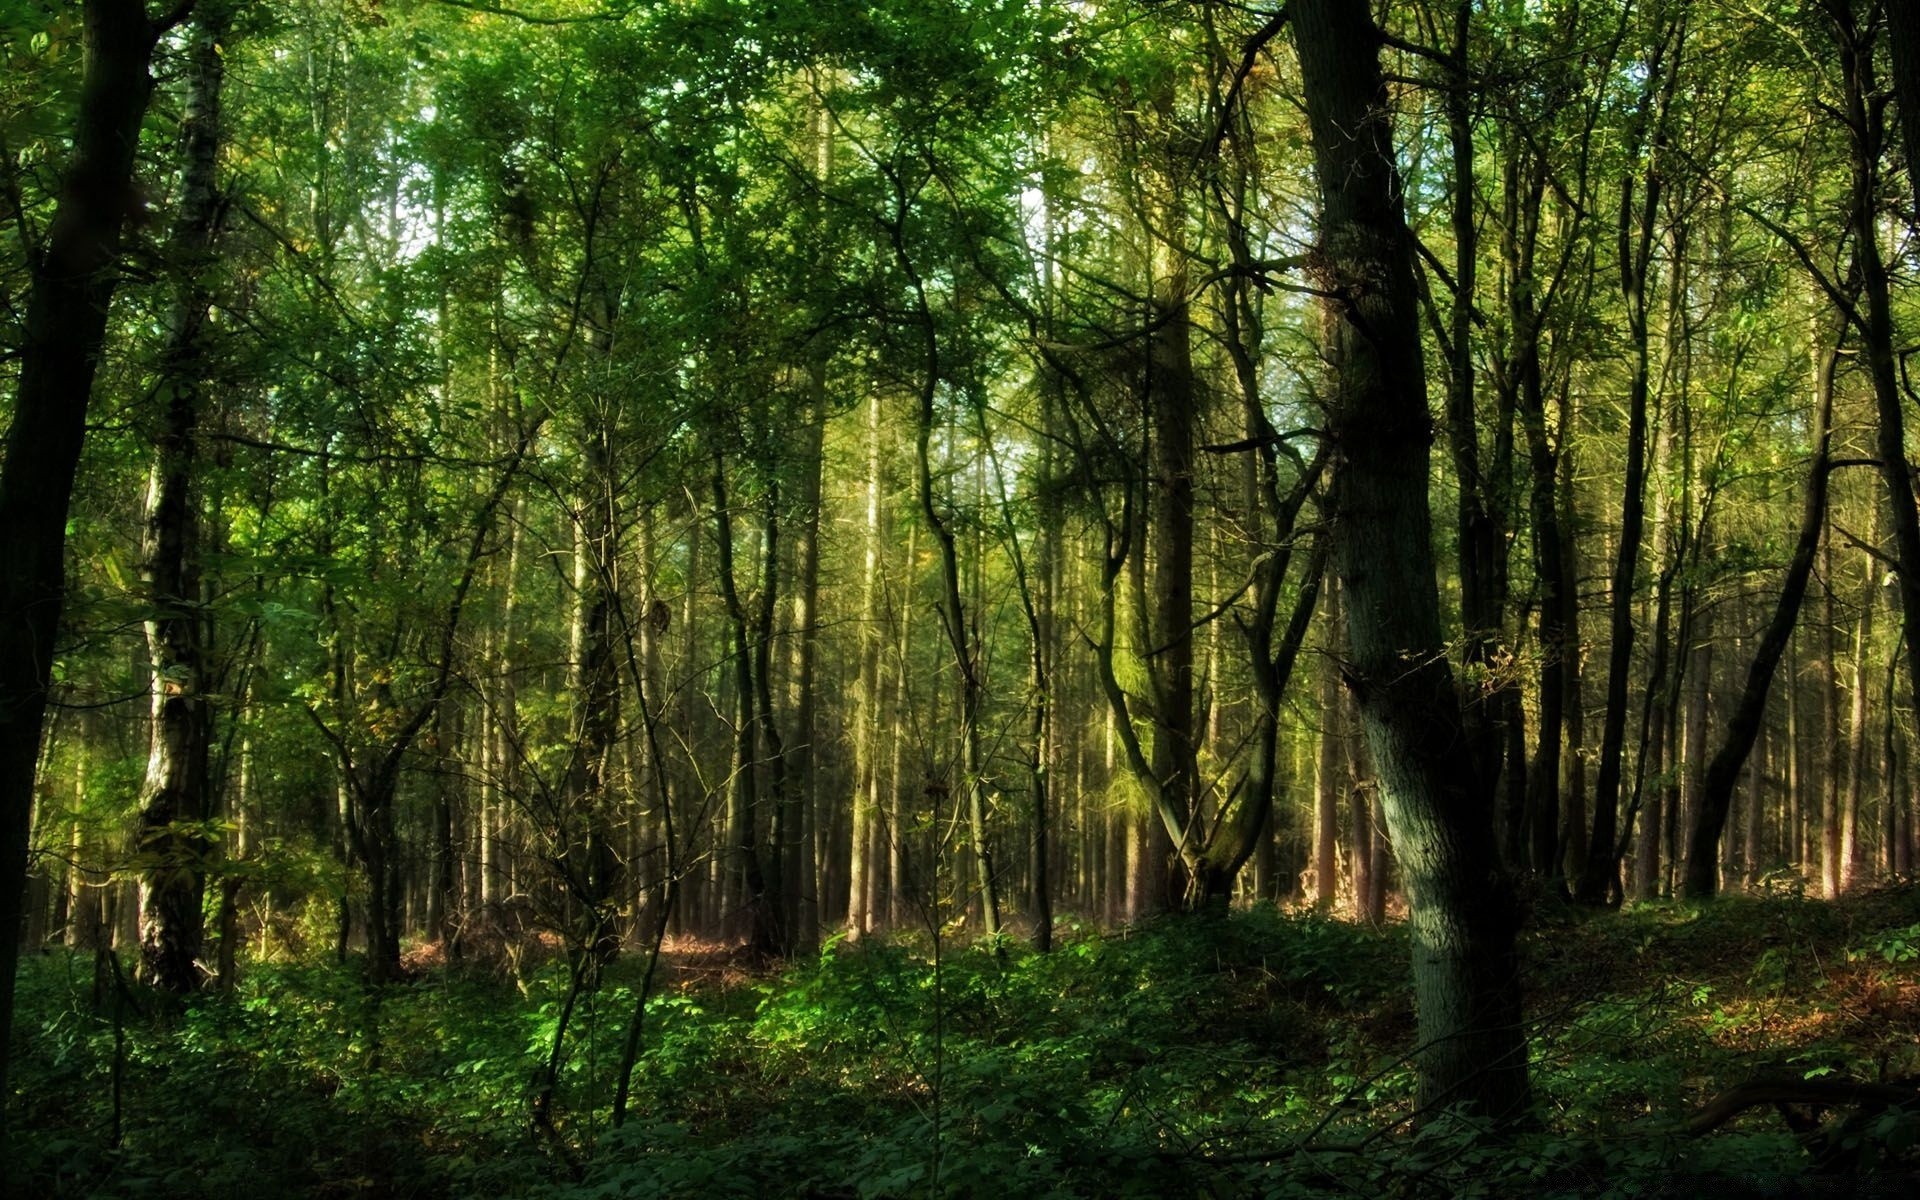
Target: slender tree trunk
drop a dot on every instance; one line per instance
(965, 652)
(1761, 813)
(783, 814)
(868, 716)
(743, 791)
(1834, 740)
(496, 879)
(1853, 857)
(1570, 854)
(900, 898)
(1893, 783)
(1332, 771)
(1046, 679)
(1791, 835)
(1709, 816)
(1903, 43)
(1480, 513)
(797, 872)
(1599, 883)
(442, 898)
(1521, 387)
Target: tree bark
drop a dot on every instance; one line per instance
(172, 839)
(72, 284)
(1481, 515)
(1463, 914)
(1834, 740)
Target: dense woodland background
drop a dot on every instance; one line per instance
(572, 480)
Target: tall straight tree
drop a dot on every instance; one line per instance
(74, 277)
(1865, 120)
(1464, 917)
(1639, 217)
(176, 793)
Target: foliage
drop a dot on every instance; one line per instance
(1257, 1054)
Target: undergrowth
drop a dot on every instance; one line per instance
(1265, 1054)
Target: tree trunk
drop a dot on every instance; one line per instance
(1599, 882)
(1875, 324)
(743, 792)
(954, 623)
(1853, 855)
(1743, 727)
(1480, 515)
(70, 289)
(442, 880)
(173, 842)
(779, 915)
(1463, 913)
(1834, 740)
(1903, 43)
(868, 715)
(797, 871)
(1332, 771)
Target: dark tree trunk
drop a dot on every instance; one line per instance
(1599, 881)
(1864, 118)
(1716, 796)
(173, 843)
(442, 896)
(591, 867)
(1251, 819)
(72, 285)
(1463, 912)
(1481, 515)
(779, 804)
(743, 793)
(1172, 399)
(1903, 42)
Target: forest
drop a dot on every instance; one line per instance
(870, 598)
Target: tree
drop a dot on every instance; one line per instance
(1464, 916)
(177, 783)
(74, 277)
(1710, 817)
(1638, 231)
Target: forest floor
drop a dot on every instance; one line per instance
(1264, 1054)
